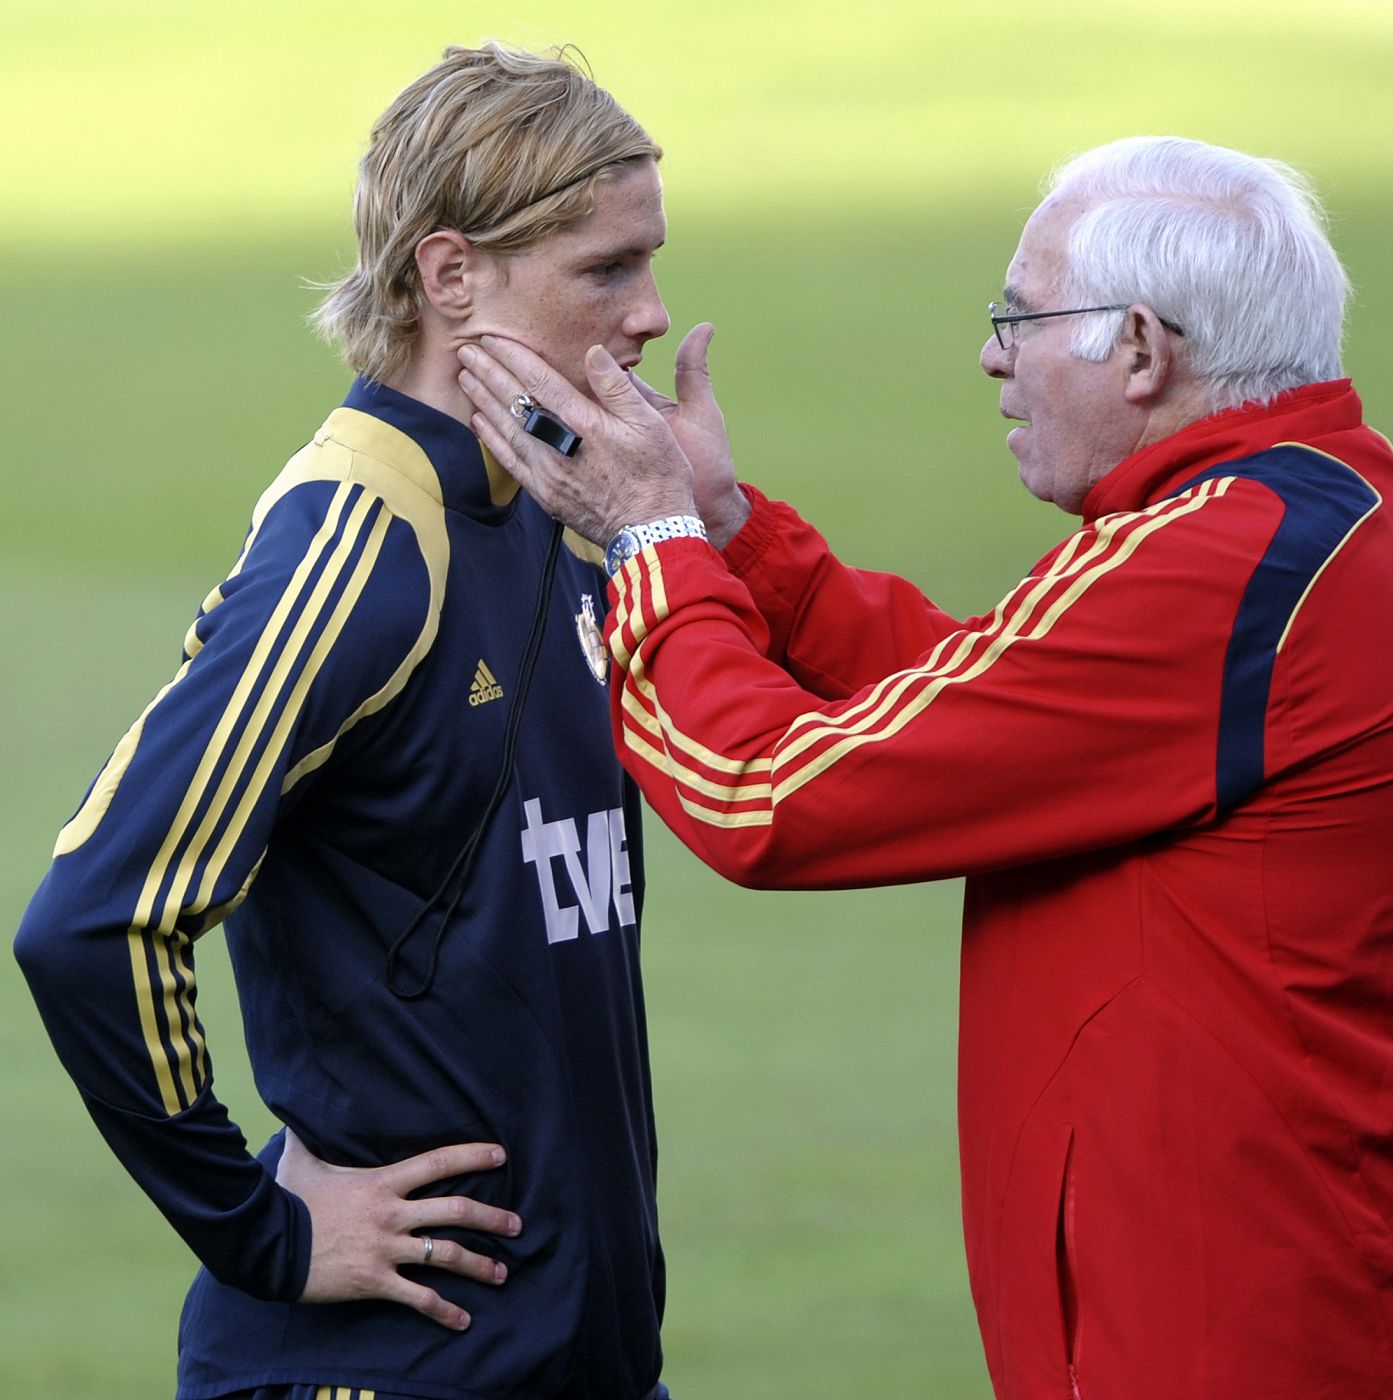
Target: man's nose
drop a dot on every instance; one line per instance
(649, 319)
(995, 361)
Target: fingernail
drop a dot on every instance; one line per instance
(467, 355)
(498, 1156)
(514, 1225)
(462, 1322)
(500, 1272)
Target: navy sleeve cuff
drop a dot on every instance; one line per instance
(249, 1232)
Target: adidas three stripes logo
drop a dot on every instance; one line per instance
(485, 686)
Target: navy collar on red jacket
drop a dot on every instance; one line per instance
(1299, 415)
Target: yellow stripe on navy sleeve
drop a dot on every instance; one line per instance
(378, 474)
(271, 699)
(392, 466)
(268, 694)
(139, 945)
(84, 822)
(174, 1060)
(290, 712)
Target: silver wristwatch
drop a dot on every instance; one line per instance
(633, 538)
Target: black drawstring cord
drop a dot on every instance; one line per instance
(464, 862)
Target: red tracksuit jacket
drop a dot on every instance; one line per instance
(1165, 762)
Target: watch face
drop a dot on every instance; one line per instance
(621, 549)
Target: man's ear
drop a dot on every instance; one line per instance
(451, 268)
(1149, 356)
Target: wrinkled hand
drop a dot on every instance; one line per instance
(629, 468)
(363, 1219)
(699, 426)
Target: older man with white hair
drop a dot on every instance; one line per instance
(1164, 761)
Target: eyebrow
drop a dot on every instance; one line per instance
(1014, 297)
(634, 250)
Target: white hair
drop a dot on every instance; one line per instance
(1231, 248)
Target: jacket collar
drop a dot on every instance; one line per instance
(453, 450)
(1299, 415)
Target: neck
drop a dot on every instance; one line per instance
(431, 377)
(1187, 404)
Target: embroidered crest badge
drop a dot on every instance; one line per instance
(592, 642)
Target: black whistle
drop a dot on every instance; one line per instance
(548, 428)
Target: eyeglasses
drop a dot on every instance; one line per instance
(1004, 320)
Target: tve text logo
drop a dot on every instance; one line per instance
(600, 882)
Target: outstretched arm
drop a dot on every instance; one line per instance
(1076, 715)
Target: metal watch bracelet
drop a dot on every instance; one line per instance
(633, 538)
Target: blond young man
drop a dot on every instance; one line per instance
(385, 763)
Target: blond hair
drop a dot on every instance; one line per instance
(502, 146)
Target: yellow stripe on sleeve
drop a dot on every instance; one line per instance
(1108, 559)
(88, 817)
(696, 782)
(343, 1392)
(1008, 618)
(630, 600)
(197, 1045)
(659, 725)
(139, 946)
(232, 712)
(290, 712)
(901, 698)
(186, 1047)
(176, 1000)
(269, 698)
(179, 1049)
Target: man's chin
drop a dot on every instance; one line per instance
(1037, 483)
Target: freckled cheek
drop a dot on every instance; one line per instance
(597, 320)
(564, 324)
(570, 304)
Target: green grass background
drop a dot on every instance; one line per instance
(845, 187)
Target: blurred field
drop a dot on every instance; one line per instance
(845, 188)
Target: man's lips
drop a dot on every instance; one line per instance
(1022, 423)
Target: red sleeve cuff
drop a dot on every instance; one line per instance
(755, 536)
